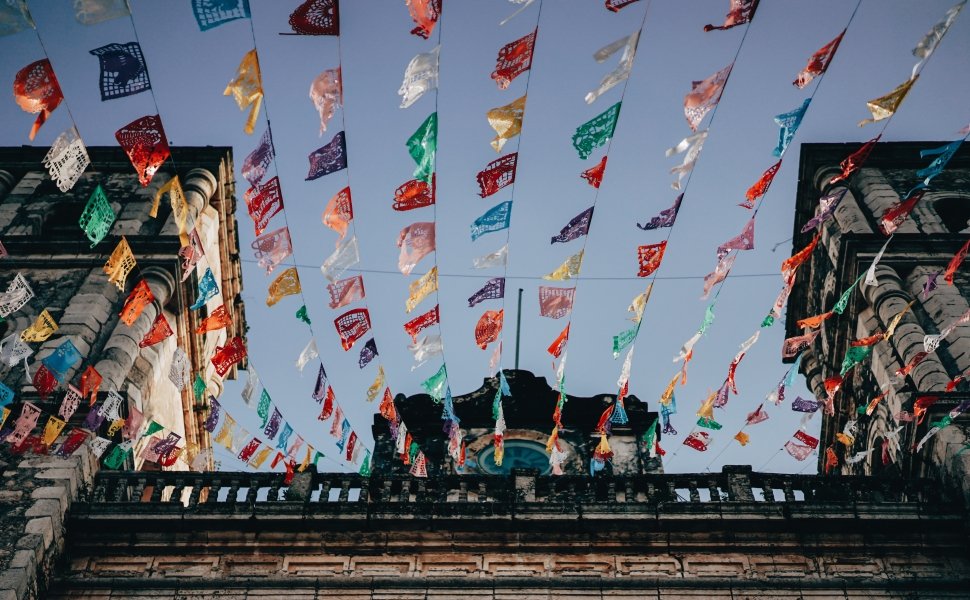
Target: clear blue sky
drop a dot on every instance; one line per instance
(189, 70)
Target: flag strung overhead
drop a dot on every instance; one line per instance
(329, 158)
(496, 218)
(514, 59)
(497, 174)
(425, 14)
(577, 227)
(123, 70)
(622, 71)
(506, 121)
(704, 96)
(339, 212)
(213, 13)
(327, 95)
(422, 146)
(742, 11)
(649, 257)
(145, 144)
(36, 91)
(316, 17)
(555, 302)
(665, 218)
(420, 77)
(596, 132)
(818, 62)
(247, 88)
(351, 326)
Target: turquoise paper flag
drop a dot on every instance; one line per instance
(98, 216)
(208, 289)
(789, 123)
(422, 145)
(496, 219)
(436, 384)
(624, 339)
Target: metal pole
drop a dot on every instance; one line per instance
(518, 329)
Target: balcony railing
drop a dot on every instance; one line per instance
(500, 493)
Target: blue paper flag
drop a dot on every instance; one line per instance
(496, 219)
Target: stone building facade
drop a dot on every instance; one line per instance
(39, 229)
(881, 394)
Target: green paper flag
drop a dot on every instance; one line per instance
(263, 408)
(436, 384)
(769, 321)
(623, 340)
(708, 423)
(844, 300)
(153, 427)
(301, 315)
(853, 356)
(98, 216)
(365, 465)
(946, 420)
(116, 458)
(422, 145)
(199, 387)
(596, 132)
(708, 319)
(650, 436)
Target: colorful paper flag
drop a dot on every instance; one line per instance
(329, 158)
(422, 146)
(818, 62)
(36, 91)
(596, 132)
(415, 241)
(704, 96)
(144, 141)
(420, 77)
(514, 59)
(123, 70)
(351, 326)
(742, 11)
(327, 95)
(419, 289)
(555, 302)
(506, 121)
(649, 258)
(577, 227)
(496, 218)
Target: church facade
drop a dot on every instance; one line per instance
(901, 410)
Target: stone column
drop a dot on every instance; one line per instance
(121, 349)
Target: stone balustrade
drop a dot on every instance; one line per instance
(501, 493)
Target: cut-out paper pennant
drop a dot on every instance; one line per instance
(422, 146)
(506, 121)
(36, 90)
(145, 144)
(622, 71)
(420, 77)
(496, 218)
(818, 62)
(577, 227)
(493, 289)
(497, 174)
(316, 17)
(742, 11)
(212, 13)
(123, 70)
(327, 95)
(704, 96)
(345, 256)
(596, 132)
(514, 59)
(344, 291)
(555, 302)
(329, 158)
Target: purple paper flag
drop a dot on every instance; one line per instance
(666, 217)
(320, 389)
(492, 290)
(806, 406)
(367, 353)
(328, 159)
(578, 226)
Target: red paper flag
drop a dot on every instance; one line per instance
(217, 319)
(489, 327)
(159, 330)
(760, 187)
(699, 440)
(818, 63)
(316, 17)
(228, 355)
(854, 161)
(806, 439)
(955, 263)
(351, 442)
(414, 194)
(140, 297)
(327, 411)
(616, 5)
(497, 174)
(921, 405)
(798, 451)
(831, 459)
(514, 59)
(898, 213)
(247, 452)
(650, 257)
(917, 359)
(44, 381)
(387, 406)
(414, 326)
(425, 14)
(345, 291)
(796, 260)
(594, 175)
(742, 11)
(145, 144)
(263, 203)
(90, 383)
(36, 90)
(351, 326)
(555, 348)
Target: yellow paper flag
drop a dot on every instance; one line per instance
(119, 264)
(884, 106)
(247, 88)
(286, 284)
(421, 288)
(568, 269)
(506, 121)
(42, 328)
